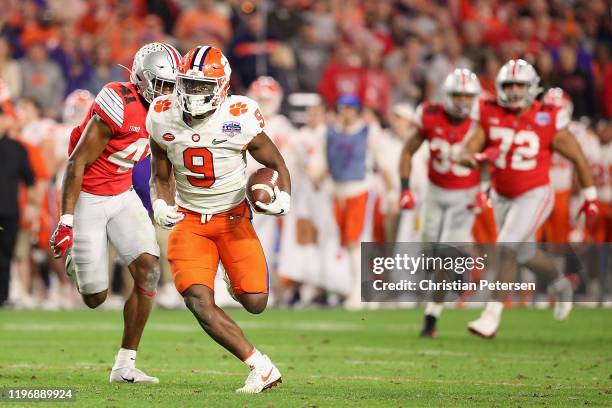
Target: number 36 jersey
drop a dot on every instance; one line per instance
(119, 105)
(445, 137)
(524, 142)
(209, 161)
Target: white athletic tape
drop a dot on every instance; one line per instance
(274, 177)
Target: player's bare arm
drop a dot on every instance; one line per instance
(406, 201)
(161, 174)
(164, 210)
(90, 146)
(565, 143)
(265, 152)
(409, 149)
(263, 149)
(469, 155)
(95, 138)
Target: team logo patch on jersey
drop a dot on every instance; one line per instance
(168, 137)
(195, 137)
(542, 118)
(231, 129)
(238, 108)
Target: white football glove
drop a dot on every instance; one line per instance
(166, 216)
(280, 205)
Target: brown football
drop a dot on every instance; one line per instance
(260, 186)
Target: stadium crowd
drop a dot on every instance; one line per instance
(340, 61)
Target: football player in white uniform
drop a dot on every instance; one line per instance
(201, 135)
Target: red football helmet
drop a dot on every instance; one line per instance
(203, 80)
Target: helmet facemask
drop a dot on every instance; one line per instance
(461, 89)
(459, 105)
(156, 86)
(198, 96)
(154, 70)
(515, 95)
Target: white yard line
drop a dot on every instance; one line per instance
(417, 380)
(318, 326)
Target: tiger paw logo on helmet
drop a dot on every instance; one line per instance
(238, 108)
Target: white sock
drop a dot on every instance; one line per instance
(255, 359)
(355, 264)
(434, 309)
(495, 308)
(126, 358)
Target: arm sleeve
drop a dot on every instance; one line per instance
(253, 120)
(25, 167)
(562, 119)
(109, 106)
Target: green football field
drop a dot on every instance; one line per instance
(328, 358)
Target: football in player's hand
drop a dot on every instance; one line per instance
(260, 186)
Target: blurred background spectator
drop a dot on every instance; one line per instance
(391, 54)
(42, 79)
(386, 51)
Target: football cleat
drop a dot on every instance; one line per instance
(261, 379)
(131, 375)
(429, 327)
(564, 293)
(485, 326)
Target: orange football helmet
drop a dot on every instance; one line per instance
(203, 80)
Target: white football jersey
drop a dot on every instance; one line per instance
(209, 160)
(591, 147)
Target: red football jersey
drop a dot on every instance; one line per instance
(524, 142)
(445, 139)
(119, 105)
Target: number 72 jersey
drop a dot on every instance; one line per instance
(524, 142)
(209, 161)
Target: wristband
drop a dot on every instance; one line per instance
(159, 204)
(67, 219)
(405, 183)
(589, 193)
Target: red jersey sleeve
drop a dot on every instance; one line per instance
(109, 106)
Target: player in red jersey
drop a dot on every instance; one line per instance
(100, 205)
(517, 135)
(450, 195)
